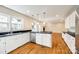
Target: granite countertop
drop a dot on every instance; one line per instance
(70, 33)
(46, 32)
(5, 34)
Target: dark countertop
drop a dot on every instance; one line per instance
(4, 34)
(70, 33)
(46, 32)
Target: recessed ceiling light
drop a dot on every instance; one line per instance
(57, 15)
(28, 11)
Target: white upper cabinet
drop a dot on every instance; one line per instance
(67, 22)
(70, 20)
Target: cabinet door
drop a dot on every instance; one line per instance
(39, 38)
(2, 46)
(23, 38)
(46, 40)
(18, 40)
(72, 44)
(67, 22)
(70, 41)
(26, 37)
(72, 20)
(15, 41)
(11, 43)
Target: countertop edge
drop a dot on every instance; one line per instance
(42, 32)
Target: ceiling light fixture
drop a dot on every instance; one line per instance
(57, 15)
(28, 11)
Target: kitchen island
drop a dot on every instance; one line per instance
(42, 38)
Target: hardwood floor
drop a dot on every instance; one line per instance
(59, 47)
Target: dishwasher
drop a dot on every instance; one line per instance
(33, 37)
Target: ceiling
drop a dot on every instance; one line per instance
(53, 12)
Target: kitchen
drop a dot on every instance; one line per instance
(18, 29)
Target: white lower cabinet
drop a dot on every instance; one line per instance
(2, 46)
(39, 39)
(9, 43)
(44, 39)
(13, 42)
(70, 41)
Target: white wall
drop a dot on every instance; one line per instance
(55, 27)
(58, 27)
(26, 20)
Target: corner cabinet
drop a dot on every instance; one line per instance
(44, 39)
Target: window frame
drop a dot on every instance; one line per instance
(9, 22)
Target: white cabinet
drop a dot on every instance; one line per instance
(70, 41)
(70, 20)
(44, 39)
(2, 46)
(9, 43)
(23, 38)
(39, 38)
(67, 23)
(47, 40)
(15, 41)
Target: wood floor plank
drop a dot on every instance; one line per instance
(59, 47)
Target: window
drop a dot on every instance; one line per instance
(16, 24)
(4, 23)
(9, 23)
